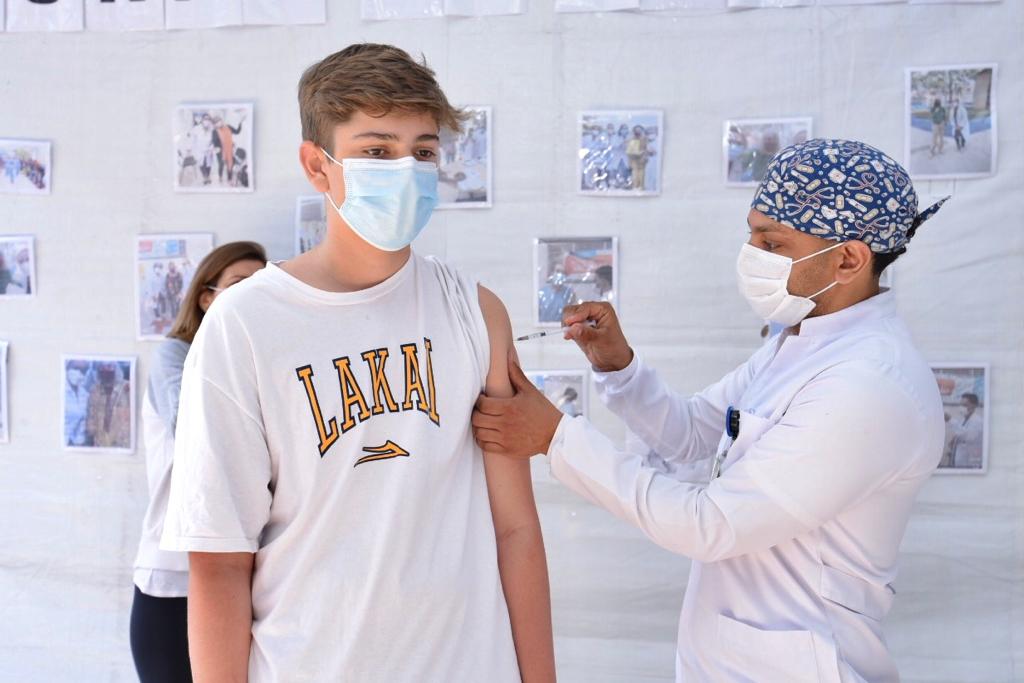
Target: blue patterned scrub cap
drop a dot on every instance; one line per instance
(842, 190)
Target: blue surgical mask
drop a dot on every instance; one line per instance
(388, 202)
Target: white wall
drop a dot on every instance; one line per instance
(71, 521)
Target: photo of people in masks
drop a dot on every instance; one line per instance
(99, 403)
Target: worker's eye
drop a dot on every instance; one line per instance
(426, 154)
(375, 152)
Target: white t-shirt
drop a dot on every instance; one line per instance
(330, 434)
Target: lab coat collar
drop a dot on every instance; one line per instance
(882, 305)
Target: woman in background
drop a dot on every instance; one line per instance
(159, 631)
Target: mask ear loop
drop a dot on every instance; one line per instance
(810, 256)
(811, 297)
(820, 292)
(328, 154)
(328, 194)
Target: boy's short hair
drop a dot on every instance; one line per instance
(374, 79)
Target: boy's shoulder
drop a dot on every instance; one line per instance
(248, 298)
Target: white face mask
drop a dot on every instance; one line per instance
(388, 202)
(763, 278)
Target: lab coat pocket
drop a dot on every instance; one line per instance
(855, 594)
(749, 653)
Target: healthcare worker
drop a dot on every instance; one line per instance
(832, 431)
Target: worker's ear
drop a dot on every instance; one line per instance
(856, 259)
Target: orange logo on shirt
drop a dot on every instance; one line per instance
(420, 393)
(385, 452)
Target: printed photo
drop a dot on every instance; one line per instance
(570, 271)
(164, 265)
(620, 153)
(464, 180)
(567, 389)
(24, 166)
(98, 403)
(17, 266)
(310, 222)
(213, 147)
(964, 390)
(750, 144)
(951, 121)
(5, 432)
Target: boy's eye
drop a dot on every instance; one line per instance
(426, 154)
(375, 152)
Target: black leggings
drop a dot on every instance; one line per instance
(159, 637)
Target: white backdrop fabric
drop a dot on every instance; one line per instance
(71, 521)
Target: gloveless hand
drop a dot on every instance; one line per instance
(603, 343)
(518, 427)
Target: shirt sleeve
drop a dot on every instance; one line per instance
(850, 431)
(679, 428)
(165, 379)
(841, 439)
(220, 483)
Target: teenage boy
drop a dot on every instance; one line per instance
(341, 523)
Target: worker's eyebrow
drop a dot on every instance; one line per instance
(763, 228)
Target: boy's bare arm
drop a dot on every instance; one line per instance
(220, 616)
(521, 559)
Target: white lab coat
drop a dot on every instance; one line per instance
(795, 545)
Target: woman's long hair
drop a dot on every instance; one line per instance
(209, 271)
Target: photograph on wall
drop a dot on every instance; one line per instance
(464, 171)
(164, 266)
(566, 389)
(620, 153)
(964, 391)
(5, 431)
(24, 166)
(98, 403)
(570, 271)
(213, 147)
(750, 144)
(951, 121)
(17, 266)
(310, 222)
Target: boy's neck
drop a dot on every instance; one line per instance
(344, 262)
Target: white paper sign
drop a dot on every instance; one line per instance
(203, 13)
(483, 8)
(124, 15)
(663, 5)
(379, 10)
(751, 4)
(278, 12)
(59, 15)
(595, 5)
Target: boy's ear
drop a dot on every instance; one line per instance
(314, 165)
